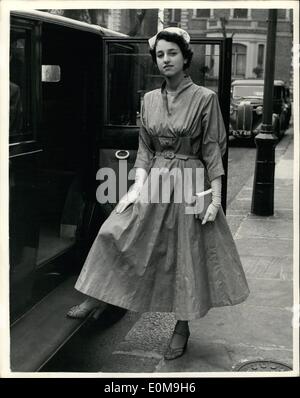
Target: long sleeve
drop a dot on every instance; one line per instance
(213, 138)
(144, 154)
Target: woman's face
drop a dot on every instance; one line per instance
(169, 58)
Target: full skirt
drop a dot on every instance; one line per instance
(155, 257)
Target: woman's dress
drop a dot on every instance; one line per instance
(156, 256)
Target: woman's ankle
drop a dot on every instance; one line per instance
(90, 302)
(182, 323)
(182, 326)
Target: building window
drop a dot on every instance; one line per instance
(102, 17)
(239, 53)
(202, 13)
(281, 13)
(175, 14)
(240, 13)
(260, 54)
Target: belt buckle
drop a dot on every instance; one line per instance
(169, 155)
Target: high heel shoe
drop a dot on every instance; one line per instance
(173, 353)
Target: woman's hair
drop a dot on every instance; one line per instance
(179, 40)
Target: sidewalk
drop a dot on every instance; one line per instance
(259, 328)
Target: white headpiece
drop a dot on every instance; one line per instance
(171, 29)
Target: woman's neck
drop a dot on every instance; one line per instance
(173, 82)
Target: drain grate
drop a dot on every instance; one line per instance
(262, 366)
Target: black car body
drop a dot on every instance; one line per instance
(246, 108)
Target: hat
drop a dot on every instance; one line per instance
(172, 29)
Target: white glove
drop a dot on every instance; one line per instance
(213, 208)
(134, 191)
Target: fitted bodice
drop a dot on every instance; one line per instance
(191, 124)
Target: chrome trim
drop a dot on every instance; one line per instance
(118, 156)
(26, 153)
(22, 143)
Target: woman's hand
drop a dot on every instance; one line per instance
(213, 208)
(211, 213)
(134, 191)
(126, 200)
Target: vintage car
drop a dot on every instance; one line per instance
(75, 97)
(246, 108)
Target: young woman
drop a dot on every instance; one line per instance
(159, 255)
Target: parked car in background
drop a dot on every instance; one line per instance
(246, 108)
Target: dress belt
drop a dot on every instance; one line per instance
(172, 155)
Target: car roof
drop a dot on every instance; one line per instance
(44, 16)
(255, 82)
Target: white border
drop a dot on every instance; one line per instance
(5, 7)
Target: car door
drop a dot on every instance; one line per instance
(129, 73)
(53, 113)
(24, 155)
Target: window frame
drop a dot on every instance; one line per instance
(172, 15)
(286, 14)
(240, 18)
(262, 54)
(106, 82)
(195, 12)
(224, 53)
(234, 60)
(33, 79)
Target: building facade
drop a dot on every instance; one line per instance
(248, 29)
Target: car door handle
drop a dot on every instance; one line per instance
(122, 154)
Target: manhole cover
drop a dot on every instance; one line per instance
(262, 366)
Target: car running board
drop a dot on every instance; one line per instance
(44, 329)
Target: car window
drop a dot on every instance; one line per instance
(20, 86)
(248, 91)
(131, 73)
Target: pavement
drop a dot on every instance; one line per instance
(261, 328)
